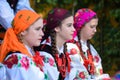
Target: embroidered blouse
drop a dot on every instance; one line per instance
(78, 70)
(17, 66)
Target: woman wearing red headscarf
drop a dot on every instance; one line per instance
(85, 61)
(59, 28)
(19, 61)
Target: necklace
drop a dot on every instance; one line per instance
(63, 61)
(88, 62)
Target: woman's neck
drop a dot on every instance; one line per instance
(83, 39)
(59, 42)
(30, 50)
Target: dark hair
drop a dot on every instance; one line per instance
(54, 19)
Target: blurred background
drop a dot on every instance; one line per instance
(107, 39)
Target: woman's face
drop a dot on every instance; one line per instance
(66, 30)
(89, 30)
(33, 35)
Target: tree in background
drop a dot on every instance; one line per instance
(107, 40)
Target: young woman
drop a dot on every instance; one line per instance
(85, 61)
(58, 30)
(19, 61)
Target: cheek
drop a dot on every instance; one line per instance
(68, 35)
(33, 41)
(31, 38)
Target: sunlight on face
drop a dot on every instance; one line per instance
(33, 35)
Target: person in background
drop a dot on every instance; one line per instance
(59, 28)
(116, 76)
(85, 61)
(8, 10)
(18, 60)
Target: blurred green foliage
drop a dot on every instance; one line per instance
(107, 39)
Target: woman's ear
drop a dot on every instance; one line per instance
(57, 29)
(23, 32)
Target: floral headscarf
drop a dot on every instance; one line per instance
(83, 16)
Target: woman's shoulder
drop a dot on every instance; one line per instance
(93, 50)
(45, 50)
(72, 48)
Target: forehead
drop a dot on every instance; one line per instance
(38, 22)
(68, 20)
(92, 22)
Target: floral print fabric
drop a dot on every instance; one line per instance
(78, 70)
(50, 67)
(21, 67)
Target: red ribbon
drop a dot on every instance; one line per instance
(62, 63)
(38, 60)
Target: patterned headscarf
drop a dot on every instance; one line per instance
(55, 16)
(22, 20)
(54, 19)
(83, 16)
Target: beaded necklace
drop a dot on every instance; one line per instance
(88, 62)
(62, 62)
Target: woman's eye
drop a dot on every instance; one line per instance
(92, 26)
(38, 28)
(69, 25)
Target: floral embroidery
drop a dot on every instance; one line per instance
(73, 51)
(38, 60)
(11, 61)
(80, 76)
(88, 62)
(101, 71)
(18, 61)
(96, 59)
(24, 62)
(51, 61)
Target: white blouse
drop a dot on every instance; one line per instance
(78, 70)
(18, 66)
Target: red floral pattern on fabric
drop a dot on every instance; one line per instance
(96, 59)
(51, 61)
(82, 75)
(24, 62)
(101, 71)
(73, 51)
(88, 62)
(38, 60)
(11, 61)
